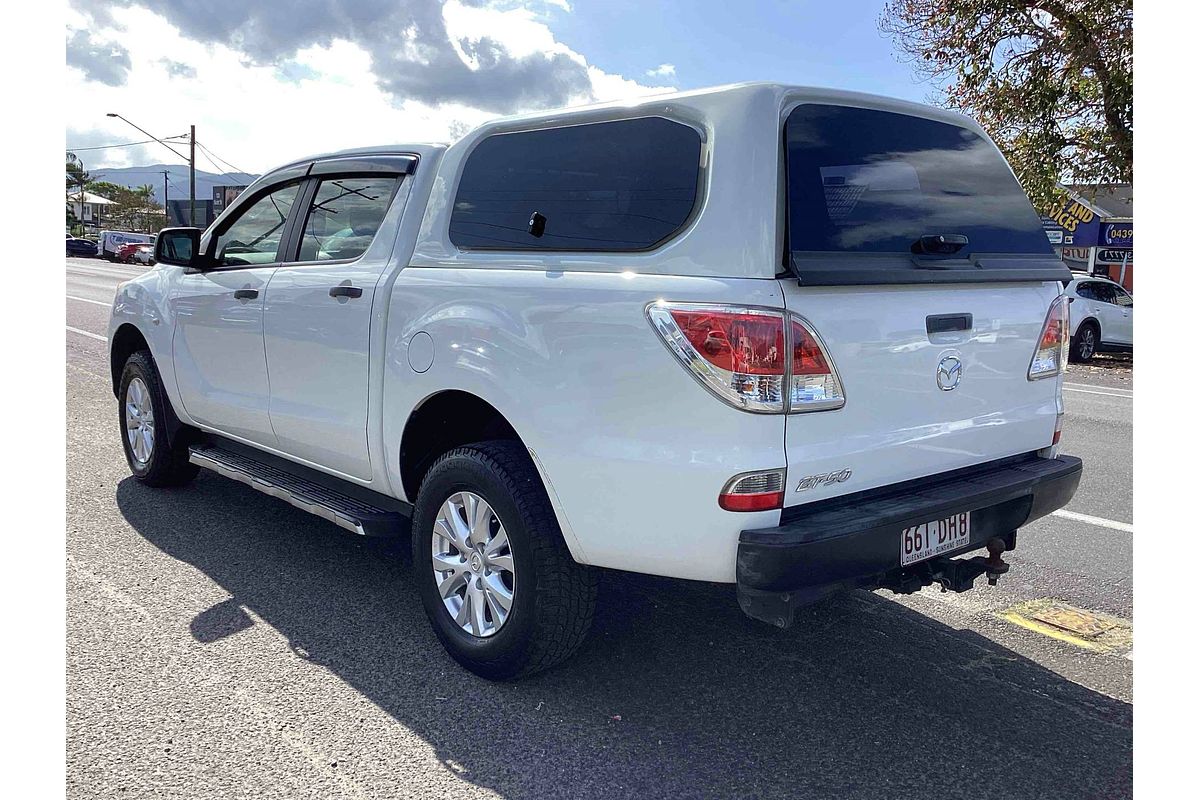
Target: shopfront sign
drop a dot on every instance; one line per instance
(1116, 234)
(1071, 224)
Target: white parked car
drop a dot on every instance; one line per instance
(144, 254)
(1101, 317)
(731, 335)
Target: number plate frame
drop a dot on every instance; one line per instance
(929, 539)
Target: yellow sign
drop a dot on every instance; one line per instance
(1071, 216)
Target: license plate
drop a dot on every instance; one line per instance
(931, 539)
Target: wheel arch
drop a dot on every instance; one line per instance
(126, 340)
(442, 421)
(451, 418)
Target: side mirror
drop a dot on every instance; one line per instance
(178, 246)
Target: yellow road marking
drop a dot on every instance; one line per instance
(1048, 630)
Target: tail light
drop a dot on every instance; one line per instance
(753, 491)
(754, 359)
(1050, 357)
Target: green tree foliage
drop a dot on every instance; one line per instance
(75, 175)
(132, 209)
(1050, 80)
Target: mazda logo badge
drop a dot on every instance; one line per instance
(949, 373)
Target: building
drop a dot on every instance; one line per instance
(88, 208)
(179, 214)
(1092, 230)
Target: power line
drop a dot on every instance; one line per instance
(214, 164)
(223, 161)
(122, 144)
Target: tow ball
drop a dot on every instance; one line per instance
(996, 566)
(959, 574)
(953, 574)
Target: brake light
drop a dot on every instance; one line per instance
(740, 354)
(753, 491)
(1050, 357)
(815, 384)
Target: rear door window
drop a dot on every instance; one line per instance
(1104, 293)
(864, 181)
(345, 216)
(609, 186)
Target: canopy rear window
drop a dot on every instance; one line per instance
(868, 182)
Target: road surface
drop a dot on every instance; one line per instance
(222, 643)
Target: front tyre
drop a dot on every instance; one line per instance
(501, 590)
(142, 411)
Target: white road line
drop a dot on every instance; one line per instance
(85, 300)
(1068, 388)
(89, 334)
(1089, 519)
(116, 272)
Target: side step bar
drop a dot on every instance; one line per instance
(351, 513)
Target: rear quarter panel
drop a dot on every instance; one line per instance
(634, 449)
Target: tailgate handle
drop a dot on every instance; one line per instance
(947, 323)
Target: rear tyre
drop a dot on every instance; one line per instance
(153, 458)
(501, 590)
(1084, 343)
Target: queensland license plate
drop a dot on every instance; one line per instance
(931, 539)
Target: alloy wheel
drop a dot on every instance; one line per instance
(139, 421)
(473, 564)
(1087, 344)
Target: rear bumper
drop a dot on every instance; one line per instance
(854, 540)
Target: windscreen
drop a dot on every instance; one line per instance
(867, 181)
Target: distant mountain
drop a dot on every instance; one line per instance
(177, 174)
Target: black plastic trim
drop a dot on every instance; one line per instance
(323, 479)
(948, 323)
(854, 540)
(838, 269)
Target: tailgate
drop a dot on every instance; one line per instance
(897, 422)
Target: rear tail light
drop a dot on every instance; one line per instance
(1050, 357)
(814, 381)
(753, 491)
(1058, 421)
(741, 354)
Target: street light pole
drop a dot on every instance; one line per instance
(192, 175)
(191, 159)
(166, 206)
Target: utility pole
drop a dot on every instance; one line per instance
(166, 207)
(192, 176)
(191, 158)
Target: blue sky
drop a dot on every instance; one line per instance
(834, 43)
(266, 81)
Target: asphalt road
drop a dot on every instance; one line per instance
(223, 644)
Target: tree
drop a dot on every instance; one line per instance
(1050, 80)
(131, 209)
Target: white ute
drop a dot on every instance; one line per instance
(791, 339)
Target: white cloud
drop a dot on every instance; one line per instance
(662, 71)
(328, 95)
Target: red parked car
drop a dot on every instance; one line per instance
(125, 252)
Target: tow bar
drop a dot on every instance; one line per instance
(953, 574)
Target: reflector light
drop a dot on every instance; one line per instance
(1050, 357)
(753, 491)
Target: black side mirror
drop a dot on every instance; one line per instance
(178, 246)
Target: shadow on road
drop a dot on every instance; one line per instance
(675, 693)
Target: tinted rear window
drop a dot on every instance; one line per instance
(608, 186)
(865, 181)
